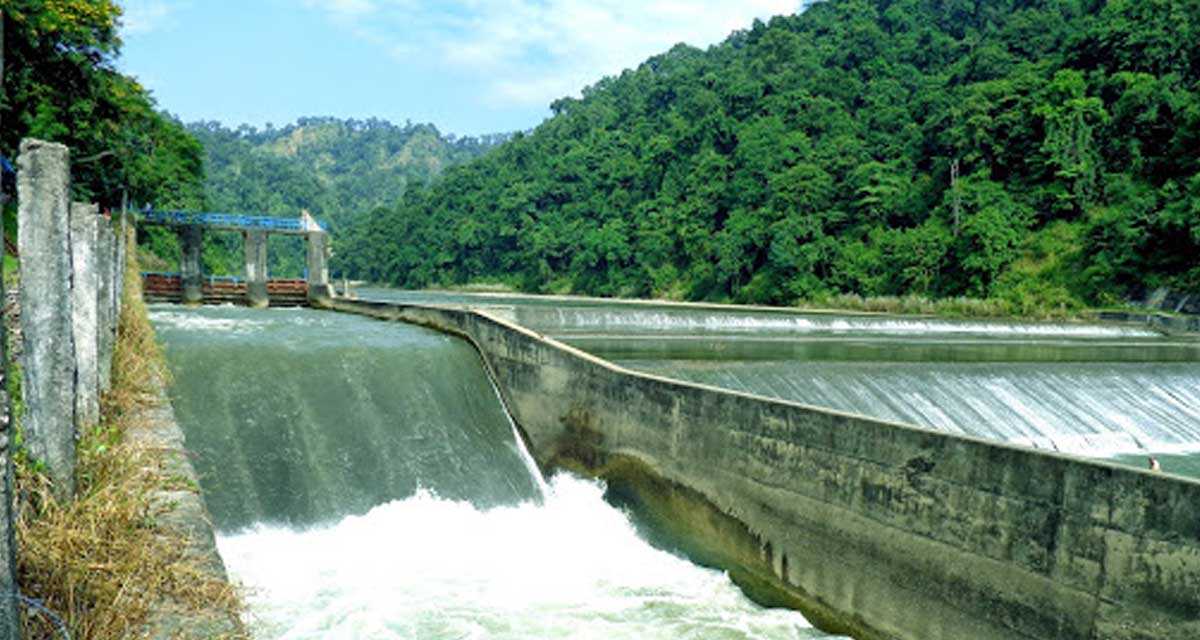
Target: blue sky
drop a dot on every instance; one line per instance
(468, 66)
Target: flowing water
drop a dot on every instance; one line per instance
(366, 483)
(1113, 391)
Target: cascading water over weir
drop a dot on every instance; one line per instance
(366, 483)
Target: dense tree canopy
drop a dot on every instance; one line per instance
(336, 169)
(60, 84)
(1043, 151)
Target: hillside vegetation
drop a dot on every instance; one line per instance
(1039, 152)
(336, 169)
(60, 83)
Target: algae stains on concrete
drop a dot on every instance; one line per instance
(884, 530)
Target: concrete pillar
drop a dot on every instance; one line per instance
(256, 268)
(191, 243)
(106, 320)
(10, 624)
(123, 230)
(85, 285)
(43, 238)
(320, 293)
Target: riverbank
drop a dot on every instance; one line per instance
(133, 554)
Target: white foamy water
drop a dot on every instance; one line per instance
(431, 569)
(1092, 409)
(189, 320)
(616, 320)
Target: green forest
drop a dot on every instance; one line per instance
(1039, 152)
(60, 83)
(337, 170)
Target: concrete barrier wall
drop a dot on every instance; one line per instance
(874, 529)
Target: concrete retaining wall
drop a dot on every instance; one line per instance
(185, 514)
(875, 529)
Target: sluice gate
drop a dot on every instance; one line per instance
(256, 288)
(168, 287)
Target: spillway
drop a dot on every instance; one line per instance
(366, 483)
(1100, 390)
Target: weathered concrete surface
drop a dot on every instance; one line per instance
(123, 231)
(9, 621)
(191, 267)
(85, 285)
(106, 320)
(871, 528)
(43, 238)
(256, 269)
(184, 513)
(320, 292)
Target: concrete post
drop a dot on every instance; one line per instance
(85, 284)
(123, 231)
(256, 268)
(320, 293)
(43, 238)
(10, 623)
(105, 313)
(191, 242)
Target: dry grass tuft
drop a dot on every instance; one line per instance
(103, 562)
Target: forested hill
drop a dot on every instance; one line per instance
(1043, 152)
(61, 83)
(337, 169)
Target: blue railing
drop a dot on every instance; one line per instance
(235, 220)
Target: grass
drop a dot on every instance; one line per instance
(103, 562)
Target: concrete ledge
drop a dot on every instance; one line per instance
(185, 514)
(877, 529)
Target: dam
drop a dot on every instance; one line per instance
(365, 482)
(384, 445)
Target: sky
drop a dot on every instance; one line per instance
(468, 66)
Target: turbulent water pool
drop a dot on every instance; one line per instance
(366, 483)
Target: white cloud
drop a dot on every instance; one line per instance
(343, 8)
(140, 17)
(530, 52)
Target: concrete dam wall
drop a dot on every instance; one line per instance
(874, 529)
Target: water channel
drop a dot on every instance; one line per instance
(366, 482)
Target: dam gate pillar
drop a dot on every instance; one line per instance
(256, 268)
(191, 243)
(320, 292)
